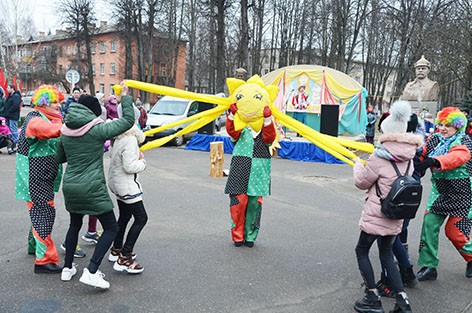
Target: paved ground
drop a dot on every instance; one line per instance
(303, 260)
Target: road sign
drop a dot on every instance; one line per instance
(72, 76)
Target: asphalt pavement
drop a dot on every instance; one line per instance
(303, 260)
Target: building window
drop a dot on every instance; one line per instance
(59, 51)
(112, 68)
(102, 68)
(113, 46)
(163, 70)
(102, 47)
(93, 69)
(60, 69)
(112, 92)
(102, 88)
(68, 50)
(92, 47)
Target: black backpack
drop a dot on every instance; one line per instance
(404, 198)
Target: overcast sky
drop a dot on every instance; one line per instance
(46, 17)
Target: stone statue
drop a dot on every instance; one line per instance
(422, 88)
(241, 73)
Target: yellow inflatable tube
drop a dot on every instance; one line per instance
(333, 145)
(174, 92)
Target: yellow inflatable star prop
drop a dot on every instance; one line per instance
(250, 97)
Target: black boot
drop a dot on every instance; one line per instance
(402, 305)
(385, 289)
(49, 268)
(408, 277)
(427, 273)
(385, 286)
(369, 304)
(468, 272)
(11, 148)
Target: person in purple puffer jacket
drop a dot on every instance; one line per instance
(112, 108)
(400, 147)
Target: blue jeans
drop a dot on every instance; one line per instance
(13, 125)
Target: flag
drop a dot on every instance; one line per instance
(3, 81)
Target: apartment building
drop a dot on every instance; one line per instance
(46, 59)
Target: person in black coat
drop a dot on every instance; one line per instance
(11, 111)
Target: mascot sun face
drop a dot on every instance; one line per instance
(250, 98)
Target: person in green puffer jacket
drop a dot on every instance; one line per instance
(84, 185)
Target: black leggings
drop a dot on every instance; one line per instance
(110, 229)
(140, 219)
(386, 259)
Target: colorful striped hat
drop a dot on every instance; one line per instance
(47, 94)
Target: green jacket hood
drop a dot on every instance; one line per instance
(78, 115)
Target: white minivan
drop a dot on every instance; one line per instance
(168, 110)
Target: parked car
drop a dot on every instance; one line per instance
(168, 110)
(220, 121)
(26, 98)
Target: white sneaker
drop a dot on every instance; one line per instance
(67, 273)
(95, 280)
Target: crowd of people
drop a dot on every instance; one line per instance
(74, 131)
(78, 131)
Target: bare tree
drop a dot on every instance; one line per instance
(79, 15)
(378, 57)
(191, 30)
(242, 55)
(221, 6)
(259, 21)
(124, 17)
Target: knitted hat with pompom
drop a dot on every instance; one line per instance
(397, 121)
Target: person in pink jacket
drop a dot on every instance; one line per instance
(400, 147)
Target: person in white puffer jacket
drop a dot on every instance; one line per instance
(126, 162)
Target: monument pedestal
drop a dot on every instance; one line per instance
(417, 106)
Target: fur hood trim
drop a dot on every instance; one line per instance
(134, 132)
(413, 139)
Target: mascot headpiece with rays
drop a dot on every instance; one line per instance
(251, 97)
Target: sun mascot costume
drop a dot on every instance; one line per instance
(252, 129)
(251, 126)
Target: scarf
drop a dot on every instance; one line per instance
(52, 116)
(78, 132)
(443, 147)
(381, 152)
